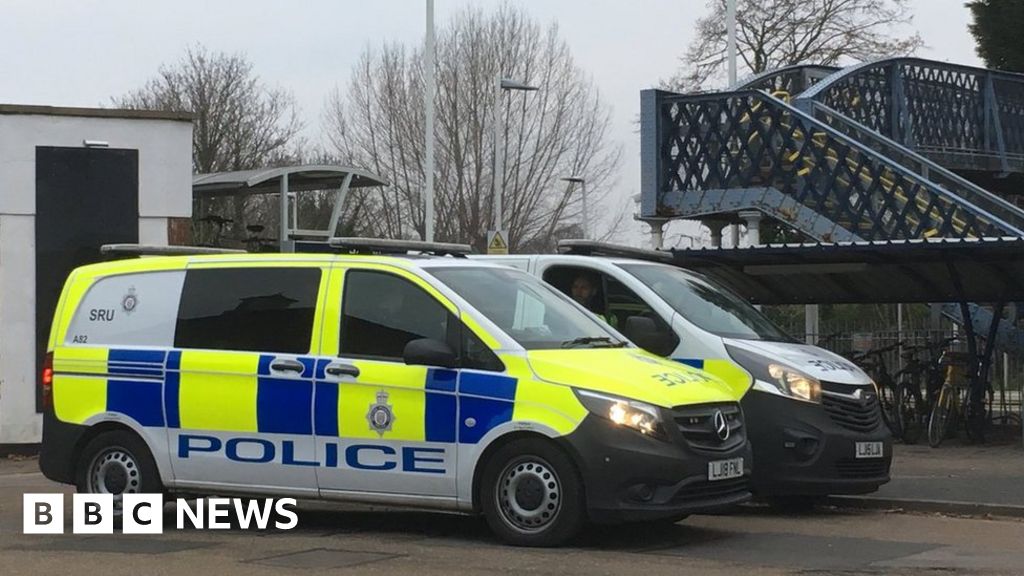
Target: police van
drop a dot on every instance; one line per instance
(813, 417)
(426, 380)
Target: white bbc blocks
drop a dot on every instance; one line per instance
(43, 514)
(93, 514)
(143, 514)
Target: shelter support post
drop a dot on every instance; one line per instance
(282, 236)
(990, 342)
(812, 323)
(339, 202)
(977, 382)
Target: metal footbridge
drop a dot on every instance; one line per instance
(894, 149)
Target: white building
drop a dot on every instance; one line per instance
(72, 179)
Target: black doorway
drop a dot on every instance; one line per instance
(85, 197)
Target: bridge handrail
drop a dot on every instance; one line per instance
(827, 83)
(753, 80)
(810, 123)
(898, 152)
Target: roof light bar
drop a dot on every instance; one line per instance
(157, 250)
(593, 248)
(388, 246)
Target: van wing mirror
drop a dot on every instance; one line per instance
(645, 333)
(429, 352)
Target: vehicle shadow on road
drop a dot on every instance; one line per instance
(458, 530)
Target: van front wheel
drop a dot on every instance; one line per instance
(118, 463)
(532, 494)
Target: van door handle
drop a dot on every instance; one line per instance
(287, 366)
(342, 370)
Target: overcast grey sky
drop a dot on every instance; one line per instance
(82, 52)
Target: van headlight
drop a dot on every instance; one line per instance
(777, 378)
(795, 383)
(640, 416)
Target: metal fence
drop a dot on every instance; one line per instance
(1006, 374)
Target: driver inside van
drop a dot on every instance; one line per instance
(584, 291)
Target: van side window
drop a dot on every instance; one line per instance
(249, 309)
(476, 354)
(614, 302)
(381, 313)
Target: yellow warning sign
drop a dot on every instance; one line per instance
(496, 242)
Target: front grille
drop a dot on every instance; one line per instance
(862, 414)
(862, 467)
(697, 425)
(707, 492)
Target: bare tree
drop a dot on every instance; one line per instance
(775, 33)
(240, 122)
(559, 131)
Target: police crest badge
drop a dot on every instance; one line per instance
(381, 416)
(129, 301)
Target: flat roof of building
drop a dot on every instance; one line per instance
(33, 110)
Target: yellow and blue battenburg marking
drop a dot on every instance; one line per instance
(728, 371)
(146, 385)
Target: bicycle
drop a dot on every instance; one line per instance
(218, 222)
(919, 385)
(873, 362)
(953, 401)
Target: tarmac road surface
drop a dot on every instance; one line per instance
(360, 540)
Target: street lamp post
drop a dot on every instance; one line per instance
(428, 56)
(500, 86)
(586, 213)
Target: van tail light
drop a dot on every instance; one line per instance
(46, 381)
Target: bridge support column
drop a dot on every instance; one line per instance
(657, 232)
(753, 219)
(716, 227)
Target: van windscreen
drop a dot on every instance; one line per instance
(707, 304)
(531, 312)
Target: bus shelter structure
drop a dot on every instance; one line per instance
(286, 183)
(938, 270)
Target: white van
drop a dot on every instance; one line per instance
(814, 417)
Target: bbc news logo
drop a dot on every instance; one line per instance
(144, 514)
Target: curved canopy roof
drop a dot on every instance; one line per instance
(894, 271)
(268, 180)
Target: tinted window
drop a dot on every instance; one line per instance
(252, 309)
(707, 304)
(381, 313)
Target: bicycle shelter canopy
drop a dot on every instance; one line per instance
(935, 270)
(286, 181)
(894, 271)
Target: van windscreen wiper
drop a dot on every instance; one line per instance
(593, 342)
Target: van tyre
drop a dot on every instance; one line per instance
(117, 462)
(532, 494)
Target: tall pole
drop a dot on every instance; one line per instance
(730, 25)
(428, 62)
(586, 212)
(499, 155)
